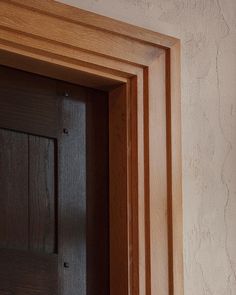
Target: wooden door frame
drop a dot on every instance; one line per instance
(141, 71)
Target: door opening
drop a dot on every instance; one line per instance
(54, 187)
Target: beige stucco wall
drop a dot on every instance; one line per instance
(207, 29)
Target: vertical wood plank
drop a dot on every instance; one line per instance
(158, 203)
(72, 196)
(42, 201)
(119, 256)
(97, 146)
(139, 176)
(175, 166)
(14, 190)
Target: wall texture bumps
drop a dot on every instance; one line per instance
(207, 29)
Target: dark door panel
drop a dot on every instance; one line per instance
(28, 201)
(28, 103)
(54, 175)
(42, 195)
(14, 213)
(23, 272)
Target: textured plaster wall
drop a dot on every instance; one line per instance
(207, 29)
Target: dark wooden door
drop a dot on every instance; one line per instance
(53, 187)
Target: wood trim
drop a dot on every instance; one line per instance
(158, 178)
(119, 186)
(141, 70)
(175, 168)
(18, 18)
(91, 19)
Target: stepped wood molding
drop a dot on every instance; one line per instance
(141, 71)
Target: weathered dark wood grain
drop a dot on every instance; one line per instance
(54, 177)
(13, 190)
(42, 199)
(22, 272)
(28, 103)
(72, 196)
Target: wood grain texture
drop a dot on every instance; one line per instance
(68, 69)
(42, 199)
(139, 146)
(97, 173)
(72, 196)
(33, 273)
(175, 165)
(137, 274)
(158, 197)
(83, 188)
(18, 18)
(83, 192)
(97, 21)
(131, 61)
(28, 103)
(113, 71)
(119, 245)
(14, 190)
